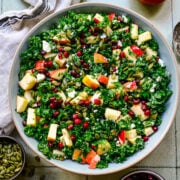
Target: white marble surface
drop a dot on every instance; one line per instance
(166, 158)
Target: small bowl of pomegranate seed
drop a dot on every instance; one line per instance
(142, 175)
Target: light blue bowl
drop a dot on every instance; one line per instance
(166, 54)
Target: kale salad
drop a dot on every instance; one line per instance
(92, 88)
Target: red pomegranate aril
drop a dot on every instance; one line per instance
(86, 65)
(131, 113)
(77, 121)
(119, 18)
(97, 101)
(55, 90)
(136, 101)
(82, 61)
(70, 127)
(144, 107)
(73, 137)
(85, 125)
(56, 113)
(86, 102)
(52, 105)
(66, 54)
(38, 104)
(155, 128)
(147, 112)
(79, 53)
(50, 144)
(24, 123)
(122, 54)
(60, 56)
(145, 138)
(61, 49)
(60, 145)
(126, 98)
(75, 74)
(45, 125)
(81, 103)
(114, 69)
(75, 116)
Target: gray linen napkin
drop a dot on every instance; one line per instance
(13, 26)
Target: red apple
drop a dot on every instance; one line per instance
(151, 2)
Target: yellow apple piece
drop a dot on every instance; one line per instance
(27, 82)
(52, 132)
(112, 114)
(31, 117)
(99, 58)
(21, 104)
(57, 74)
(90, 81)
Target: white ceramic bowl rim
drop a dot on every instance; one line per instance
(166, 54)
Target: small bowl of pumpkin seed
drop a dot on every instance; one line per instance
(12, 158)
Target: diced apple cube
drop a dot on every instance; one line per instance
(129, 54)
(67, 137)
(131, 134)
(148, 131)
(150, 53)
(134, 31)
(52, 132)
(21, 104)
(58, 73)
(46, 46)
(112, 79)
(29, 95)
(90, 81)
(136, 108)
(98, 18)
(112, 114)
(27, 82)
(60, 62)
(144, 37)
(31, 117)
(99, 58)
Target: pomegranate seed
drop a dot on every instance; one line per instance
(47, 74)
(60, 55)
(75, 116)
(73, 137)
(97, 101)
(66, 54)
(61, 49)
(75, 74)
(131, 113)
(114, 69)
(55, 90)
(52, 106)
(136, 101)
(24, 123)
(70, 127)
(45, 125)
(82, 61)
(126, 98)
(79, 53)
(143, 102)
(86, 102)
(50, 144)
(86, 65)
(56, 113)
(114, 47)
(122, 54)
(145, 138)
(147, 112)
(82, 40)
(38, 104)
(77, 121)
(155, 128)
(52, 99)
(93, 146)
(43, 71)
(81, 103)
(60, 145)
(144, 107)
(85, 125)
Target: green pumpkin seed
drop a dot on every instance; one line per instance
(11, 158)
